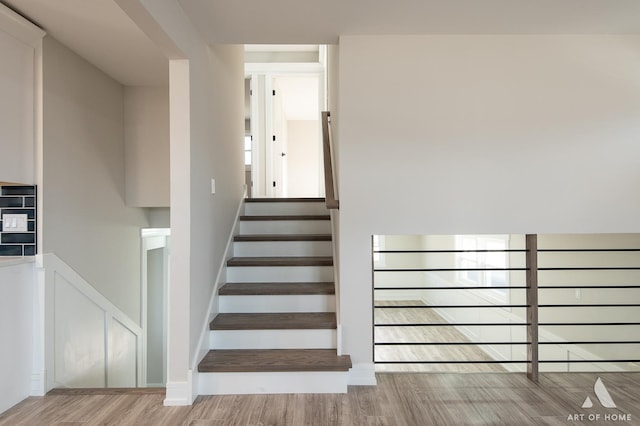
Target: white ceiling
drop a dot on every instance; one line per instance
(102, 33)
(322, 22)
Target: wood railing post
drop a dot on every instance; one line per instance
(532, 306)
(330, 191)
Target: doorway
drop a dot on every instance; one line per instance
(155, 280)
(282, 128)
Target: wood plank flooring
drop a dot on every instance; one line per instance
(281, 261)
(284, 200)
(253, 218)
(400, 399)
(275, 321)
(283, 289)
(234, 360)
(423, 334)
(282, 237)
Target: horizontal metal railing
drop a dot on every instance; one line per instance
(533, 321)
(604, 328)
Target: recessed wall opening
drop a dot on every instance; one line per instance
(506, 303)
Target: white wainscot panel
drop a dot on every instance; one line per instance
(122, 356)
(79, 338)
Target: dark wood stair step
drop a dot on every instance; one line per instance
(256, 218)
(282, 237)
(276, 289)
(273, 360)
(284, 200)
(281, 261)
(274, 321)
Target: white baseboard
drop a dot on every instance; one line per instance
(180, 393)
(38, 383)
(363, 374)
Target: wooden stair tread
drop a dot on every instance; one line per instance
(282, 237)
(273, 360)
(280, 289)
(274, 321)
(255, 218)
(281, 261)
(285, 200)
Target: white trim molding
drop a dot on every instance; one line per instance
(116, 353)
(180, 393)
(20, 28)
(363, 374)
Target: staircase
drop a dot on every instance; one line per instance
(276, 330)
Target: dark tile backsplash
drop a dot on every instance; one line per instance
(18, 200)
(19, 190)
(18, 237)
(30, 212)
(11, 201)
(7, 250)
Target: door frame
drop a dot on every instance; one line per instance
(262, 153)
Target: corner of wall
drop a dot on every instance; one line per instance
(180, 393)
(362, 374)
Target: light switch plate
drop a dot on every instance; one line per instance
(14, 223)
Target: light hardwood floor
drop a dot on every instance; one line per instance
(399, 399)
(424, 334)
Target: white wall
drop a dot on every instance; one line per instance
(481, 134)
(303, 158)
(86, 221)
(217, 123)
(206, 141)
(159, 217)
(17, 290)
(19, 41)
(146, 134)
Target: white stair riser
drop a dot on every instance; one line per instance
(273, 339)
(275, 303)
(267, 274)
(282, 248)
(285, 227)
(277, 382)
(266, 209)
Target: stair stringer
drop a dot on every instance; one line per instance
(203, 342)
